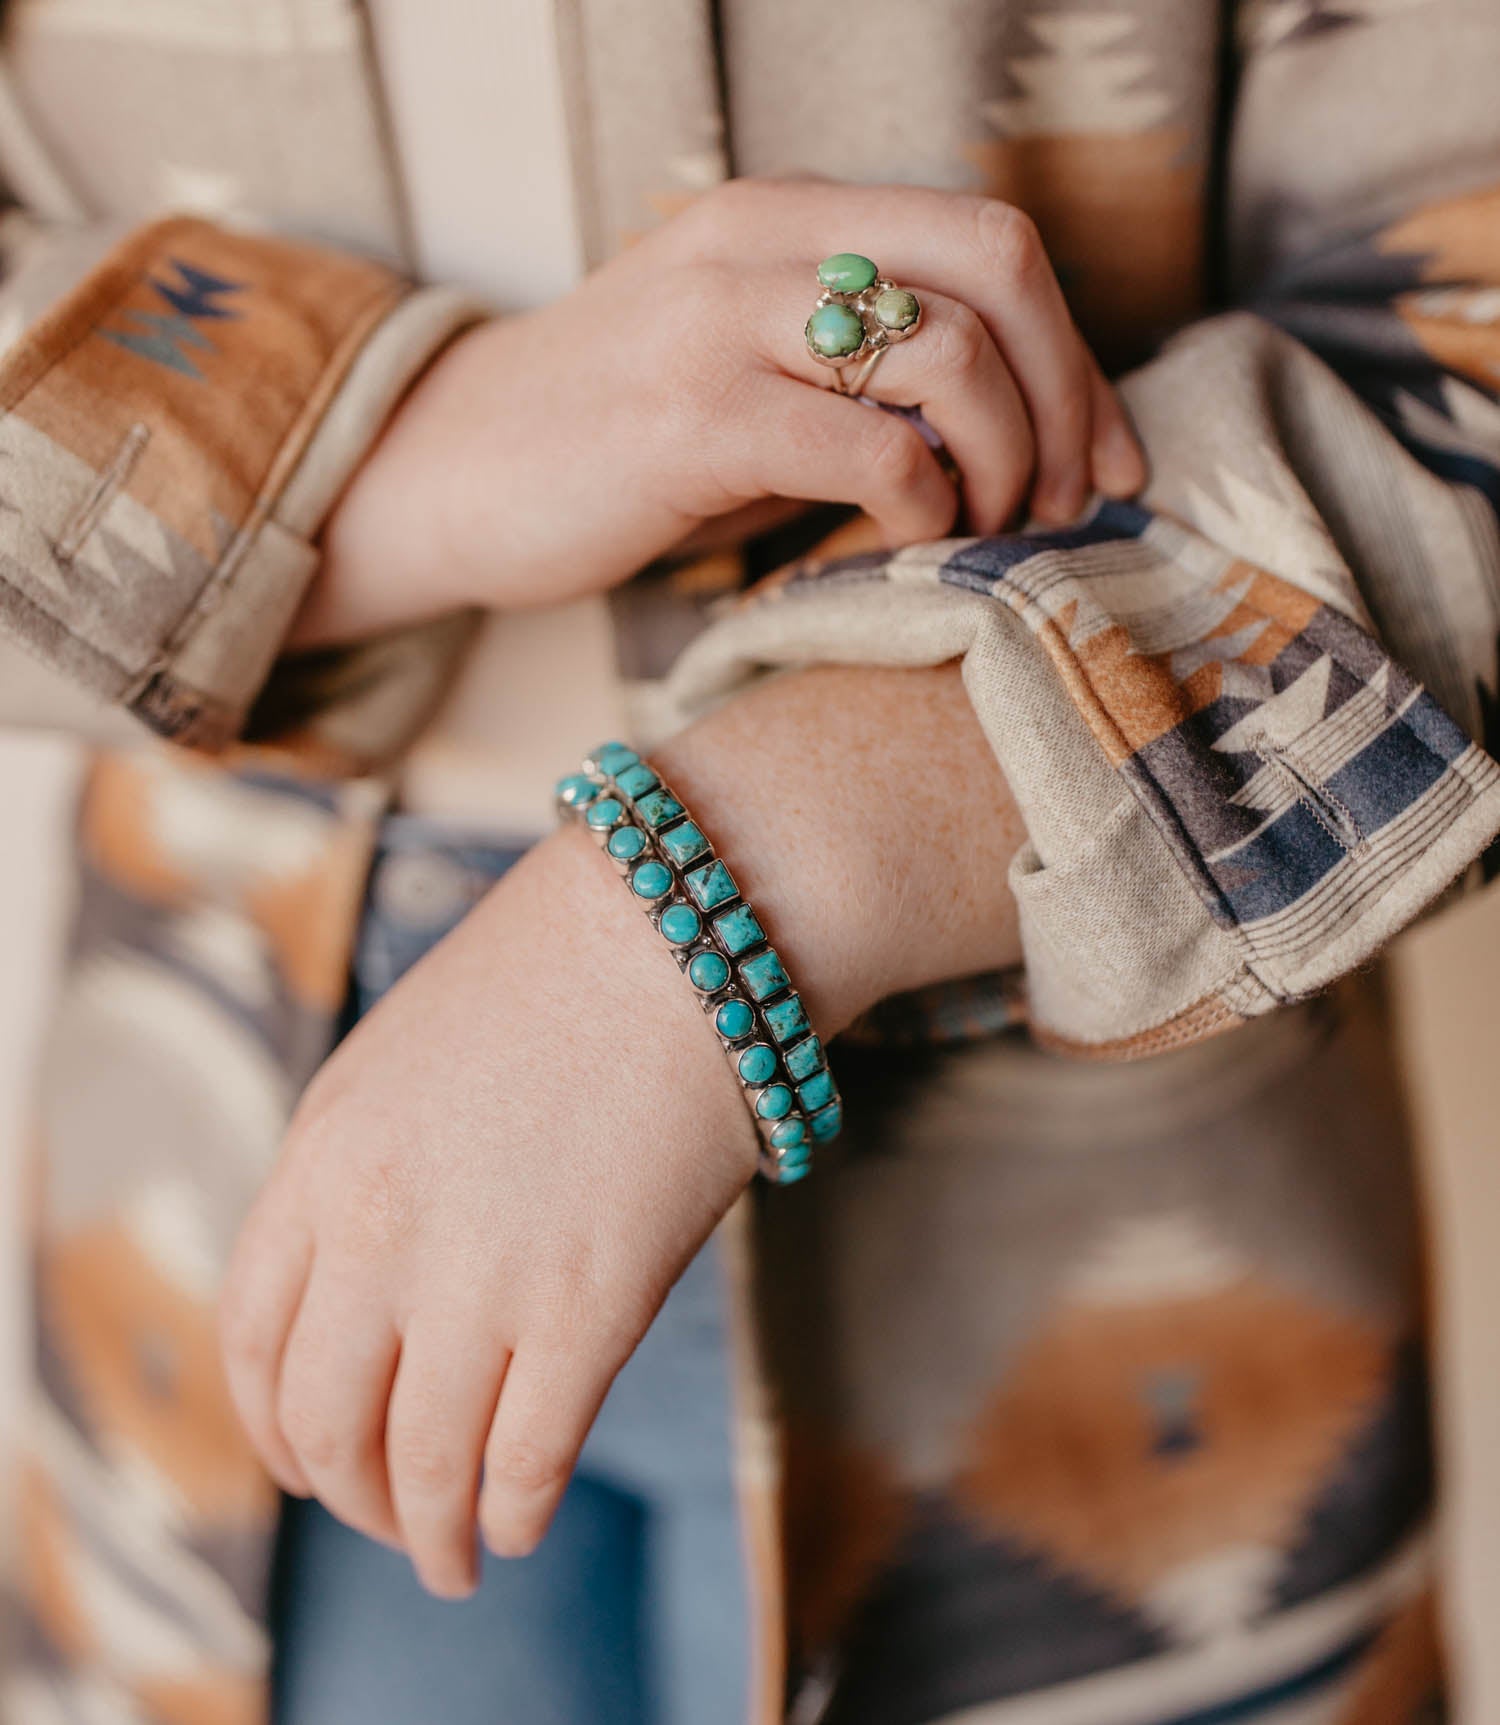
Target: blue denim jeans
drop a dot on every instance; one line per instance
(634, 1609)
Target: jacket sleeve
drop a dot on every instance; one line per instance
(180, 406)
(1249, 719)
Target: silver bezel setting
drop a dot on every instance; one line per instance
(878, 337)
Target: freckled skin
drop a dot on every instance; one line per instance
(490, 1186)
(484, 489)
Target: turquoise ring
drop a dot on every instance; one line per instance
(860, 314)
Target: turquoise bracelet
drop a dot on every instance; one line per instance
(720, 946)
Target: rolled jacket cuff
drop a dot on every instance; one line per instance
(175, 428)
(1180, 877)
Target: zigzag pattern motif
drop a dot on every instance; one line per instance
(164, 337)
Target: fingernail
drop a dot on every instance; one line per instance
(1119, 464)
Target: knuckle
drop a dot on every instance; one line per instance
(244, 1330)
(377, 1209)
(315, 1439)
(532, 1469)
(1009, 240)
(423, 1462)
(896, 456)
(962, 341)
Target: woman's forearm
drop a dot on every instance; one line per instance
(863, 811)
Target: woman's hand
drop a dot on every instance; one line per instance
(481, 1202)
(488, 1190)
(552, 454)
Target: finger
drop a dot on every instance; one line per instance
(953, 371)
(1115, 454)
(441, 1410)
(988, 255)
(792, 441)
(257, 1307)
(547, 1405)
(336, 1378)
(1005, 275)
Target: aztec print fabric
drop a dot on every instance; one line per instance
(1207, 705)
(1091, 1394)
(210, 961)
(163, 429)
(1120, 1427)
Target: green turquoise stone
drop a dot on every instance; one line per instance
(789, 1175)
(797, 1160)
(680, 923)
(652, 879)
(774, 1102)
(758, 1063)
(683, 843)
(826, 1122)
(738, 930)
(576, 790)
(847, 272)
(897, 309)
(818, 1090)
(764, 974)
(605, 812)
(787, 1018)
(805, 1058)
(734, 1019)
(712, 884)
(656, 808)
(788, 1133)
(637, 780)
(835, 332)
(613, 758)
(626, 843)
(708, 971)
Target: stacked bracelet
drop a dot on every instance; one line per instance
(719, 945)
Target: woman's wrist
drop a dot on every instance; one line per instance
(388, 556)
(872, 871)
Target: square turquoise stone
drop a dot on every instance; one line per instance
(805, 1059)
(826, 1122)
(712, 884)
(613, 758)
(683, 843)
(637, 780)
(786, 1018)
(818, 1091)
(738, 930)
(764, 975)
(656, 808)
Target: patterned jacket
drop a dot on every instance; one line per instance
(1244, 717)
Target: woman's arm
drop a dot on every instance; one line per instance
(489, 1189)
